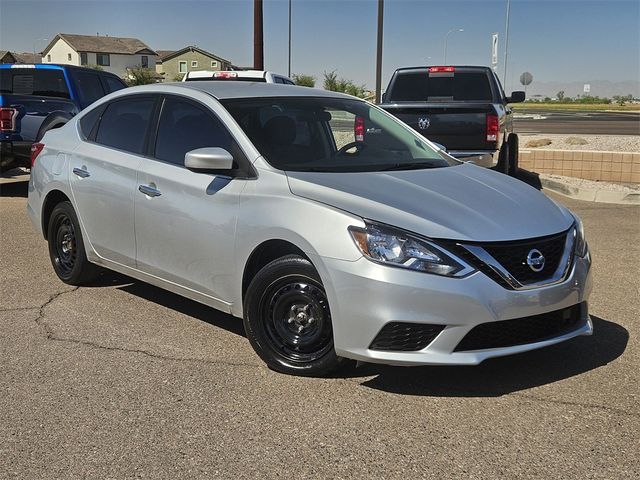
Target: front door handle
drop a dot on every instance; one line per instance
(149, 190)
(81, 172)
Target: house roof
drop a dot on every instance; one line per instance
(100, 44)
(4, 53)
(164, 53)
(177, 53)
(28, 57)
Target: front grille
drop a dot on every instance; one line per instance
(520, 331)
(405, 337)
(513, 256)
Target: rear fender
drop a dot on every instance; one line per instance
(51, 121)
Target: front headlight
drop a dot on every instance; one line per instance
(394, 247)
(581, 249)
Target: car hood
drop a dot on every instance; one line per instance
(463, 202)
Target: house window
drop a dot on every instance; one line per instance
(145, 61)
(83, 58)
(214, 64)
(69, 57)
(182, 67)
(194, 64)
(48, 58)
(103, 59)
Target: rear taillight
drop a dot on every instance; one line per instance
(493, 128)
(36, 148)
(8, 119)
(358, 129)
(442, 69)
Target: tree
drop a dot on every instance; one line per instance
(560, 95)
(335, 84)
(139, 76)
(304, 80)
(622, 99)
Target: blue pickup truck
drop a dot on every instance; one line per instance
(38, 98)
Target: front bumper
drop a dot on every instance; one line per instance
(365, 296)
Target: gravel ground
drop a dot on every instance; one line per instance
(600, 143)
(594, 184)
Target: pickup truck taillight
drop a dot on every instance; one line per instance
(36, 148)
(358, 129)
(493, 128)
(8, 119)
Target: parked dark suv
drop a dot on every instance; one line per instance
(460, 107)
(37, 98)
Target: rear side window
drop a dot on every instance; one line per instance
(124, 124)
(112, 84)
(421, 86)
(89, 87)
(34, 81)
(184, 127)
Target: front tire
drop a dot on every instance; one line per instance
(66, 248)
(287, 318)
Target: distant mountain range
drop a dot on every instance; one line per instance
(600, 88)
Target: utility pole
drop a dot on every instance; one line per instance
(258, 49)
(289, 74)
(506, 46)
(379, 52)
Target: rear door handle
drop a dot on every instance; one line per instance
(81, 172)
(149, 190)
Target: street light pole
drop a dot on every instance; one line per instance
(446, 38)
(289, 74)
(379, 52)
(506, 45)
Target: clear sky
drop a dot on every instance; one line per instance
(561, 40)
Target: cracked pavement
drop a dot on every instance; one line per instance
(124, 380)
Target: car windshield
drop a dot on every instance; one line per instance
(331, 135)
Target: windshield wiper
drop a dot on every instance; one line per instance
(409, 166)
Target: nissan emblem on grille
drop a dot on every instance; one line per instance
(423, 123)
(535, 260)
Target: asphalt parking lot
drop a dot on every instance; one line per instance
(572, 122)
(123, 380)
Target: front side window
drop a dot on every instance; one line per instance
(184, 127)
(124, 124)
(332, 135)
(103, 59)
(113, 84)
(83, 58)
(144, 60)
(182, 67)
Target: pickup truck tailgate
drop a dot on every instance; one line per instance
(456, 127)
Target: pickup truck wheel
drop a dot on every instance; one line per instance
(66, 247)
(503, 159)
(287, 318)
(514, 153)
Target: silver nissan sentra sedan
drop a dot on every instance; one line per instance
(330, 227)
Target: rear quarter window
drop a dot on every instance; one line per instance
(34, 81)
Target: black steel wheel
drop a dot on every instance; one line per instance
(66, 248)
(287, 318)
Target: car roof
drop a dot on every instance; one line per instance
(53, 66)
(228, 90)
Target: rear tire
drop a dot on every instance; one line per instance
(287, 319)
(66, 248)
(514, 154)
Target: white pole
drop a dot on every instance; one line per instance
(506, 45)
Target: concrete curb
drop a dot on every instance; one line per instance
(590, 195)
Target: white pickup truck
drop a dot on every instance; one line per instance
(238, 75)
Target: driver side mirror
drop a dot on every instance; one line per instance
(516, 97)
(208, 159)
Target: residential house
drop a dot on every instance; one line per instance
(28, 57)
(7, 57)
(112, 54)
(172, 65)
